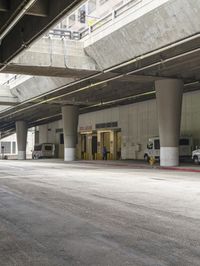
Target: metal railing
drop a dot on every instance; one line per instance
(15, 79)
(10, 80)
(111, 16)
(75, 35)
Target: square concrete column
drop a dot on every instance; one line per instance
(21, 130)
(70, 124)
(169, 104)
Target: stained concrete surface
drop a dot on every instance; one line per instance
(88, 214)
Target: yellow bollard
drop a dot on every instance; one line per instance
(152, 160)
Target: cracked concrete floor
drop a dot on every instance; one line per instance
(82, 214)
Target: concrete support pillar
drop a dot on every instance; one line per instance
(70, 123)
(169, 102)
(21, 130)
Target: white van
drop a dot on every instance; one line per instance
(196, 155)
(153, 148)
(44, 150)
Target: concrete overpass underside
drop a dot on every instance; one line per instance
(22, 22)
(126, 84)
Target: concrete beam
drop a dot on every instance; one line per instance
(29, 28)
(53, 57)
(36, 86)
(143, 30)
(40, 8)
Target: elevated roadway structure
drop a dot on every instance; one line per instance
(140, 50)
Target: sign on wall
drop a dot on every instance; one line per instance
(85, 128)
(107, 125)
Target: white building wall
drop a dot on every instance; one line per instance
(91, 119)
(190, 124)
(48, 134)
(29, 147)
(138, 122)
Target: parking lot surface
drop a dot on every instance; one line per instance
(58, 214)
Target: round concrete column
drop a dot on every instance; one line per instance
(21, 130)
(169, 102)
(70, 123)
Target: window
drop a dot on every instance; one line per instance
(150, 146)
(107, 125)
(91, 6)
(71, 20)
(5, 147)
(184, 142)
(63, 24)
(37, 147)
(61, 139)
(157, 144)
(48, 148)
(81, 14)
(59, 130)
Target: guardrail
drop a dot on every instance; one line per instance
(111, 16)
(15, 78)
(10, 80)
(75, 35)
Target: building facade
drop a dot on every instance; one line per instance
(124, 130)
(88, 12)
(8, 145)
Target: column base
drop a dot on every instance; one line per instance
(69, 154)
(21, 155)
(169, 156)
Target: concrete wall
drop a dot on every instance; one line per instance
(138, 122)
(190, 124)
(48, 134)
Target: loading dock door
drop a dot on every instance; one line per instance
(94, 147)
(118, 145)
(83, 146)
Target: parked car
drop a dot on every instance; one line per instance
(44, 150)
(196, 156)
(153, 148)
